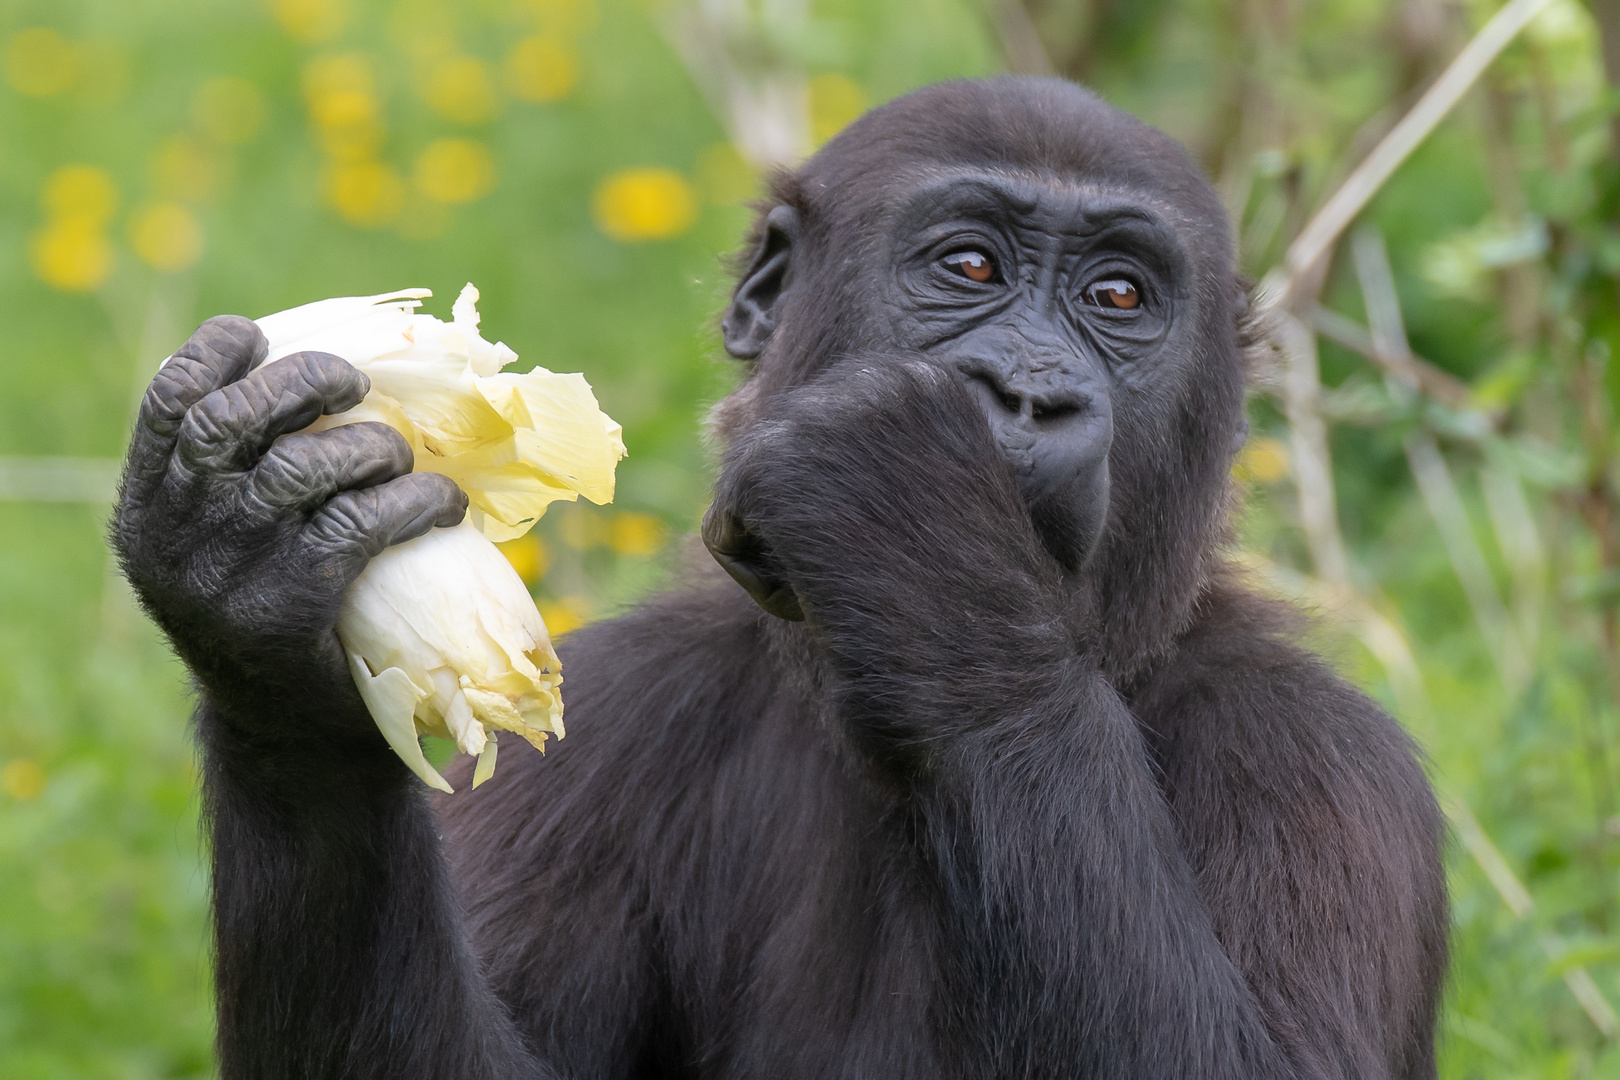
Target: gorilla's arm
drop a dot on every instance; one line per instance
(338, 940)
(1085, 946)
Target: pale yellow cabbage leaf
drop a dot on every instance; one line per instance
(442, 635)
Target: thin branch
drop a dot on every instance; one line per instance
(1427, 377)
(758, 94)
(1607, 13)
(1434, 480)
(1021, 45)
(1352, 196)
(1440, 495)
(1311, 456)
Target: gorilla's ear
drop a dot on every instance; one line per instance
(748, 325)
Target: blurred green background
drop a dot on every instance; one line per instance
(1432, 466)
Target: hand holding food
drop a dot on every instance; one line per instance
(441, 633)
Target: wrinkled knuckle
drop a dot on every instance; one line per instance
(227, 331)
(381, 442)
(210, 426)
(224, 340)
(284, 474)
(169, 394)
(342, 525)
(329, 372)
(437, 487)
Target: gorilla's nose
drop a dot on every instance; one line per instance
(1054, 428)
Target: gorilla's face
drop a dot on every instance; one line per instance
(1073, 268)
(1059, 302)
(1047, 299)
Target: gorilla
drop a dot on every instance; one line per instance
(964, 755)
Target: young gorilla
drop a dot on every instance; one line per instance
(988, 770)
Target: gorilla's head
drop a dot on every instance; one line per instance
(1073, 268)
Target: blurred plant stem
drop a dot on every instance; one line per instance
(739, 53)
(1607, 14)
(1021, 43)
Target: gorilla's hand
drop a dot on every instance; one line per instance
(240, 537)
(874, 501)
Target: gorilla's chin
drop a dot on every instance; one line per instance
(1069, 521)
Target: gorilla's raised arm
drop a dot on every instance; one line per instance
(338, 945)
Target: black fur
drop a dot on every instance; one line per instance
(1002, 804)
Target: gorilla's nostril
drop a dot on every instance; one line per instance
(1047, 412)
(990, 386)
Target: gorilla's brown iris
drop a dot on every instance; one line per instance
(1117, 293)
(973, 265)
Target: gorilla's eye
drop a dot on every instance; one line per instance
(973, 265)
(1113, 293)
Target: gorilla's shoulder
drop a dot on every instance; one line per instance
(1243, 684)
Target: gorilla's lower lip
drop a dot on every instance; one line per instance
(1069, 522)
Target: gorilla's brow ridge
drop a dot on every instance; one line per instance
(978, 188)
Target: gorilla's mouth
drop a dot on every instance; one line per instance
(1069, 521)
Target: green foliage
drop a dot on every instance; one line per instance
(163, 161)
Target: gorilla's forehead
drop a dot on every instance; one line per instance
(1038, 203)
(1039, 198)
(1050, 137)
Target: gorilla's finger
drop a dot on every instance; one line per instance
(742, 555)
(230, 429)
(222, 350)
(355, 526)
(302, 471)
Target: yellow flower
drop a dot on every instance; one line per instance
(365, 193)
(311, 20)
(349, 123)
(443, 638)
(1264, 460)
(569, 613)
(343, 105)
(561, 17)
(166, 236)
(636, 534)
(527, 555)
(459, 88)
(80, 191)
(72, 254)
(541, 69)
(22, 779)
(835, 100)
(455, 171)
(647, 203)
(42, 63)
